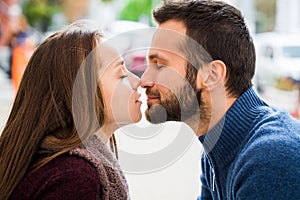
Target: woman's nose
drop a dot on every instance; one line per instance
(134, 80)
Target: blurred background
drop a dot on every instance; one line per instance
(274, 24)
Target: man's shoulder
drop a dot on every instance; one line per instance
(274, 119)
(269, 160)
(274, 152)
(274, 129)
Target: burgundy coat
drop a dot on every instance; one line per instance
(88, 172)
(65, 177)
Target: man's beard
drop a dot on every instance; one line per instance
(177, 106)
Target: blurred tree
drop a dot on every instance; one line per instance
(74, 10)
(265, 15)
(135, 10)
(39, 12)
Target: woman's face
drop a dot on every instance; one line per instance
(119, 86)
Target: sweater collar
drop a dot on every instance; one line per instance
(112, 180)
(224, 140)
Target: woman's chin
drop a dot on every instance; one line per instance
(137, 118)
(134, 119)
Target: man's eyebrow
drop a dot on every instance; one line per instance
(156, 56)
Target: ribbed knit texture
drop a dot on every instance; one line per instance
(252, 153)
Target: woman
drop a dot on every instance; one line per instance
(54, 143)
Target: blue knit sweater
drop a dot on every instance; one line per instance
(252, 153)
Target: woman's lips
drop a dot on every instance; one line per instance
(138, 99)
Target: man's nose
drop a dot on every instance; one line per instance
(147, 79)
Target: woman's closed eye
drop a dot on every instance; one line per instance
(125, 80)
(124, 76)
(160, 66)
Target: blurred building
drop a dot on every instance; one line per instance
(287, 16)
(248, 11)
(270, 15)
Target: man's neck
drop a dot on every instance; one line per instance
(208, 116)
(193, 122)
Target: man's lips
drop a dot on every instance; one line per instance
(153, 96)
(153, 99)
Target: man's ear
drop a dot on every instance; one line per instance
(211, 75)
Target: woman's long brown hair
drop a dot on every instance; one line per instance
(41, 123)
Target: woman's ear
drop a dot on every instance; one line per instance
(211, 75)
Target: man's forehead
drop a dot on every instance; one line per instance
(174, 25)
(166, 40)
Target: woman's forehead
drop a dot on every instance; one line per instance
(108, 55)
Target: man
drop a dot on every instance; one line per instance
(251, 149)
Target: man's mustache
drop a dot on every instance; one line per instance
(151, 92)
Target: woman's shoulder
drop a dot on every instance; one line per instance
(63, 177)
(68, 163)
(65, 165)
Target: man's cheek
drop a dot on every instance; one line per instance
(169, 78)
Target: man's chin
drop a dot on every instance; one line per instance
(154, 121)
(157, 114)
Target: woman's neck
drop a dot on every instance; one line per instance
(106, 131)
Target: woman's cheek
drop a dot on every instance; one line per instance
(121, 103)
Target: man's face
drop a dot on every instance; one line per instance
(170, 97)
